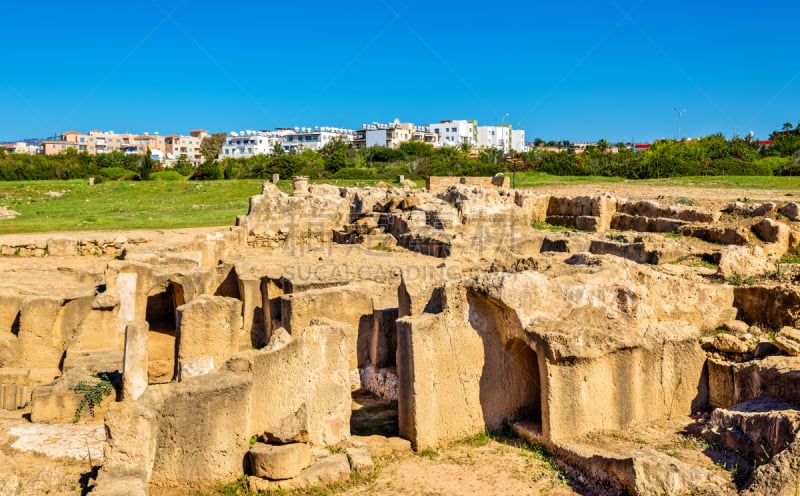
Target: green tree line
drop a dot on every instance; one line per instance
(712, 155)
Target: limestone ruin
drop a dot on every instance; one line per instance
(235, 351)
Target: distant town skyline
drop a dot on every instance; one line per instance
(621, 70)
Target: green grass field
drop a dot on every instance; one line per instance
(122, 205)
(529, 179)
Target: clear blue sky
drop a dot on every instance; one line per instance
(610, 69)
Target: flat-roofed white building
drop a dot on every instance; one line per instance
(497, 137)
(389, 135)
(456, 132)
(314, 138)
(518, 140)
(244, 144)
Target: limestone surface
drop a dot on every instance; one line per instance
(467, 307)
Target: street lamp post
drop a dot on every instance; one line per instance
(680, 113)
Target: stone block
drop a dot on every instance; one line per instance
(203, 428)
(62, 247)
(744, 261)
(132, 437)
(360, 461)
(39, 340)
(326, 471)
(351, 304)
(728, 343)
(279, 461)
(790, 210)
(207, 332)
(383, 344)
(772, 231)
(788, 340)
(135, 375)
(14, 396)
(409, 203)
(313, 364)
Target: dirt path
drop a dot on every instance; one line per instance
(474, 467)
(466, 470)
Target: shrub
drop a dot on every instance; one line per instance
(169, 175)
(209, 171)
(354, 173)
(183, 166)
(92, 393)
(117, 173)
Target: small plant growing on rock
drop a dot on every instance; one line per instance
(92, 394)
(735, 279)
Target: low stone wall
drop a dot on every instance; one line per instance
(439, 184)
(61, 247)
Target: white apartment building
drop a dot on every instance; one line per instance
(314, 138)
(389, 135)
(498, 137)
(21, 147)
(455, 132)
(518, 140)
(245, 144)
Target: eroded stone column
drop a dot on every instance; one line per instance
(135, 360)
(126, 287)
(300, 186)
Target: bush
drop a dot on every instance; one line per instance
(209, 171)
(169, 175)
(117, 173)
(391, 173)
(354, 173)
(183, 166)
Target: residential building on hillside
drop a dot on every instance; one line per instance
(314, 138)
(143, 142)
(385, 135)
(245, 144)
(518, 140)
(95, 142)
(456, 132)
(21, 147)
(424, 134)
(176, 145)
(497, 137)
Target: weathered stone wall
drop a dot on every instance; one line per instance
(622, 389)
(203, 429)
(275, 217)
(197, 432)
(61, 247)
(492, 355)
(351, 304)
(301, 388)
(207, 334)
(586, 213)
(772, 377)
